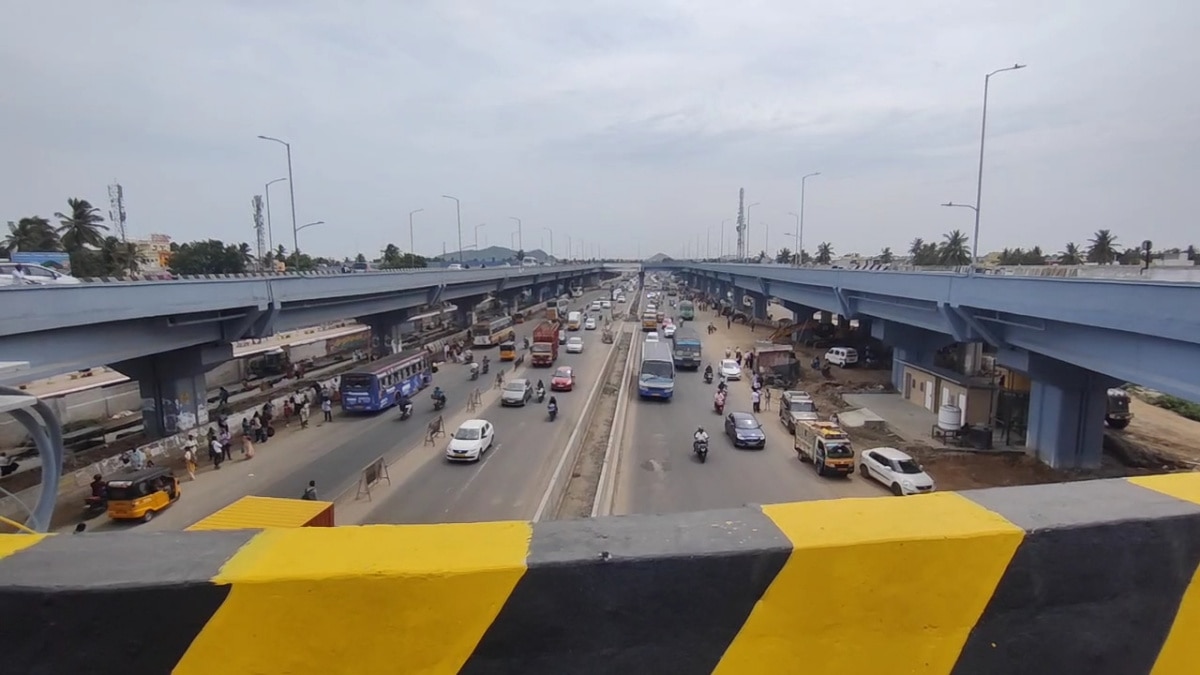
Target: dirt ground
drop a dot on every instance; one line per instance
(1155, 429)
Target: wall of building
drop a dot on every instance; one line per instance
(84, 406)
(932, 391)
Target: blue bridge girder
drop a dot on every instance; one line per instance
(58, 329)
(1145, 332)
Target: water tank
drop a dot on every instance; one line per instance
(949, 417)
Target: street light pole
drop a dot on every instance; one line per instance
(746, 234)
(766, 238)
(291, 193)
(297, 231)
(267, 191)
(412, 246)
(979, 178)
(800, 226)
(797, 217)
(458, 215)
(551, 243)
(477, 235)
(520, 237)
(721, 244)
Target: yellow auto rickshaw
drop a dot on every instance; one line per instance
(508, 351)
(138, 494)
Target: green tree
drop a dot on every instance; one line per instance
(915, 248)
(391, 256)
(247, 254)
(519, 255)
(953, 250)
(360, 258)
(784, 257)
(1034, 256)
(1103, 248)
(1071, 255)
(926, 254)
(34, 234)
(885, 256)
(208, 257)
(824, 253)
(82, 226)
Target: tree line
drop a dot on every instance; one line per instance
(94, 252)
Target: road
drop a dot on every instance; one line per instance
(658, 473)
(510, 482)
(334, 454)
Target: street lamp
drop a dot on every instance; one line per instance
(746, 234)
(412, 246)
(312, 224)
(267, 191)
(766, 238)
(979, 179)
(797, 217)
(520, 238)
(800, 225)
(477, 234)
(458, 215)
(721, 245)
(551, 242)
(291, 192)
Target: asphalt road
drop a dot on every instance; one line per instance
(510, 481)
(659, 473)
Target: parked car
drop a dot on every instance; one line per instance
(516, 392)
(473, 438)
(745, 430)
(841, 356)
(895, 469)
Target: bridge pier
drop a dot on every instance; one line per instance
(385, 332)
(911, 345)
(173, 388)
(1066, 413)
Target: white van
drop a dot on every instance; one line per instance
(841, 356)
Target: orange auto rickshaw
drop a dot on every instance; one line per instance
(139, 494)
(508, 351)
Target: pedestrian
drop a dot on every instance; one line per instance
(246, 430)
(256, 428)
(226, 445)
(289, 408)
(216, 453)
(327, 409)
(222, 397)
(189, 457)
(304, 414)
(310, 492)
(247, 447)
(728, 322)
(738, 357)
(767, 397)
(755, 400)
(137, 459)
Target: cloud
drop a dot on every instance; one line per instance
(624, 125)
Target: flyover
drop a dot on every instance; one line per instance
(167, 334)
(1074, 337)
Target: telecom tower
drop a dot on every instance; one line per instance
(741, 224)
(116, 208)
(260, 229)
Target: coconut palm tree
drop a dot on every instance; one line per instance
(885, 256)
(784, 257)
(915, 247)
(953, 250)
(32, 234)
(119, 256)
(824, 253)
(247, 254)
(1103, 248)
(1071, 255)
(82, 227)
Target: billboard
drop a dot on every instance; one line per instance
(56, 260)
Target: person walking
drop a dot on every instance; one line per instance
(189, 457)
(216, 453)
(226, 445)
(756, 399)
(327, 409)
(247, 447)
(303, 413)
(310, 492)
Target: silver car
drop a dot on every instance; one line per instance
(34, 275)
(516, 392)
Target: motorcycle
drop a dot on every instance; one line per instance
(719, 407)
(439, 403)
(94, 506)
(485, 366)
(474, 371)
(406, 411)
(553, 413)
(541, 395)
(701, 449)
(708, 377)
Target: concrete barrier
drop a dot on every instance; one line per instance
(1095, 577)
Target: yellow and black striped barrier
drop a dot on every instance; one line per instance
(1094, 577)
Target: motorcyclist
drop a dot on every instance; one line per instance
(701, 436)
(540, 390)
(486, 363)
(469, 356)
(708, 372)
(721, 387)
(719, 399)
(552, 406)
(439, 395)
(405, 405)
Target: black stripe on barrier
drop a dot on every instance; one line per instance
(638, 594)
(122, 604)
(1106, 579)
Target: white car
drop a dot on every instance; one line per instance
(841, 357)
(730, 370)
(590, 324)
(605, 304)
(575, 345)
(34, 275)
(652, 337)
(899, 472)
(669, 330)
(454, 266)
(620, 298)
(473, 438)
(595, 306)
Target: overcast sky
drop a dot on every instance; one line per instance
(624, 124)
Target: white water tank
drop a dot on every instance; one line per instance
(949, 417)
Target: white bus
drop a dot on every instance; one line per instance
(656, 376)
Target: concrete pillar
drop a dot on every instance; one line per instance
(909, 345)
(173, 389)
(759, 309)
(972, 353)
(1066, 413)
(386, 332)
(826, 317)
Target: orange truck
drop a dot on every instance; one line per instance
(545, 344)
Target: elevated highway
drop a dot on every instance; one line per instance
(1075, 336)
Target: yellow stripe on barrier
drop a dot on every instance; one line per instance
(414, 598)
(11, 543)
(1181, 651)
(871, 583)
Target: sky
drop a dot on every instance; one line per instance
(622, 127)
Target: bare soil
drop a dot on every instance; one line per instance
(1171, 435)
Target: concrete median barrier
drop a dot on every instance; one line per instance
(1094, 577)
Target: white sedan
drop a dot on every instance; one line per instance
(651, 337)
(590, 324)
(669, 330)
(730, 370)
(899, 472)
(34, 275)
(575, 345)
(473, 438)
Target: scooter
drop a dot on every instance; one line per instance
(553, 413)
(541, 395)
(406, 411)
(439, 403)
(94, 506)
(708, 377)
(719, 407)
(474, 372)
(701, 450)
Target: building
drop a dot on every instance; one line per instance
(154, 254)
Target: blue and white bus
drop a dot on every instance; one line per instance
(656, 376)
(379, 384)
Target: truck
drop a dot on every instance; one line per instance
(777, 363)
(574, 320)
(826, 445)
(544, 350)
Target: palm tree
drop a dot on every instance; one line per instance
(32, 234)
(914, 249)
(885, 256)
(1103, 248)
(954, 250)
(824, 253)
(119, 256)
(81, 228)
(784, 257)
(246, 253)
